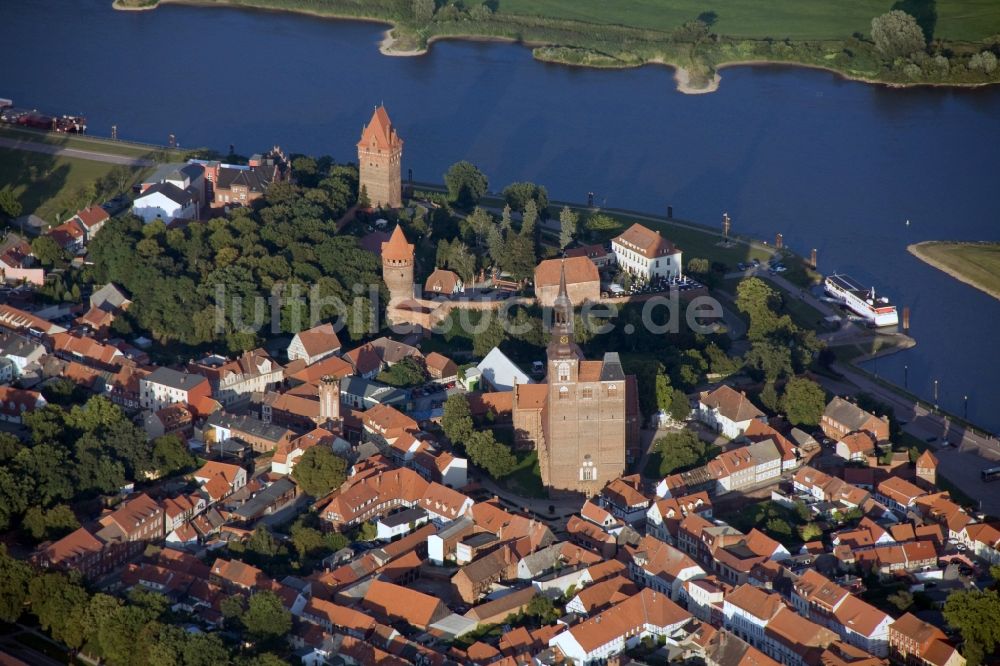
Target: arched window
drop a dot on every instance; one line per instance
(563, 392)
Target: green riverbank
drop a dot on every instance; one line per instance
(594, 33)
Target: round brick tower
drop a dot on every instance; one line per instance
(397, 265)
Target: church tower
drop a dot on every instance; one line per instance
(397, 265)
(380, 162)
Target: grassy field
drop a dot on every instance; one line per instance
(976, 264)
(965, 20)
(51, 186)
(692, 240)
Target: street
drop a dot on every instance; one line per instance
(93, 155)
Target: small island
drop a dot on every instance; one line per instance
(913, 43)
(974, 263)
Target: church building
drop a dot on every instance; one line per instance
(579, 420)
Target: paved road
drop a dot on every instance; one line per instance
(93, 155)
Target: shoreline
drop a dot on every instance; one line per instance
(916, 249)
(387, 47)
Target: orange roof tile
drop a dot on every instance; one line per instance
(379, 132)
(397, 248)
(578, 269)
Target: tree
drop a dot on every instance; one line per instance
(266, 617)
(52, 524)
(307, 540)
(519, 256)
(9, 446)
(406, 373)
(14, 578)
(488, 338)
(771, 361)
(680, 407)
(901, 599)
(480, 222)
(529, 220)
(466, 184)
(205, 650)
(485, 452)
(811, 531)
(976, 614)
(423, 10)
(364, 201)
(59, 606)
(679, 451)
(664, 392)
(9, 205)
(170, 455)
(756, 299)
(367, 531)
(778, 528)
(896, 34)
(456, 419)
(517, 196)
(568, 223)
(698, 266)
(47, 251)
(319, 471)
(263, 543)
(803, 401)
(542, 609)
(769, 397)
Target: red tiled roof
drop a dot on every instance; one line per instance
(578, 269)
(379, 132)
(646, 242)
(397, 248)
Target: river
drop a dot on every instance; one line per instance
(834, 165)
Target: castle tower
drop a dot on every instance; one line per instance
(380, 160)
(329, 403)
(397, 265)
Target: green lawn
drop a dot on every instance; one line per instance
(50, 185)
(969, 20)
(977, 264)
(691, 239)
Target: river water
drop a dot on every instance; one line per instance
(833, 165)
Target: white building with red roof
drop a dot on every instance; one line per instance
(645, 253)
(314, 344)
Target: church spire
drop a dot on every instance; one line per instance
(562, 311)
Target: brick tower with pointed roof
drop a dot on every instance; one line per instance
(581, 446)
(397, 265)
(380, 160)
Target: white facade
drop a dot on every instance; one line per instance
(744, 624)
(711, 417)
(666, 266)
(156, 205)
(456, 473)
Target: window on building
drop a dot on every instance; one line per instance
(564, 372)
(588, 393)
(612, 390)
(563, 393)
